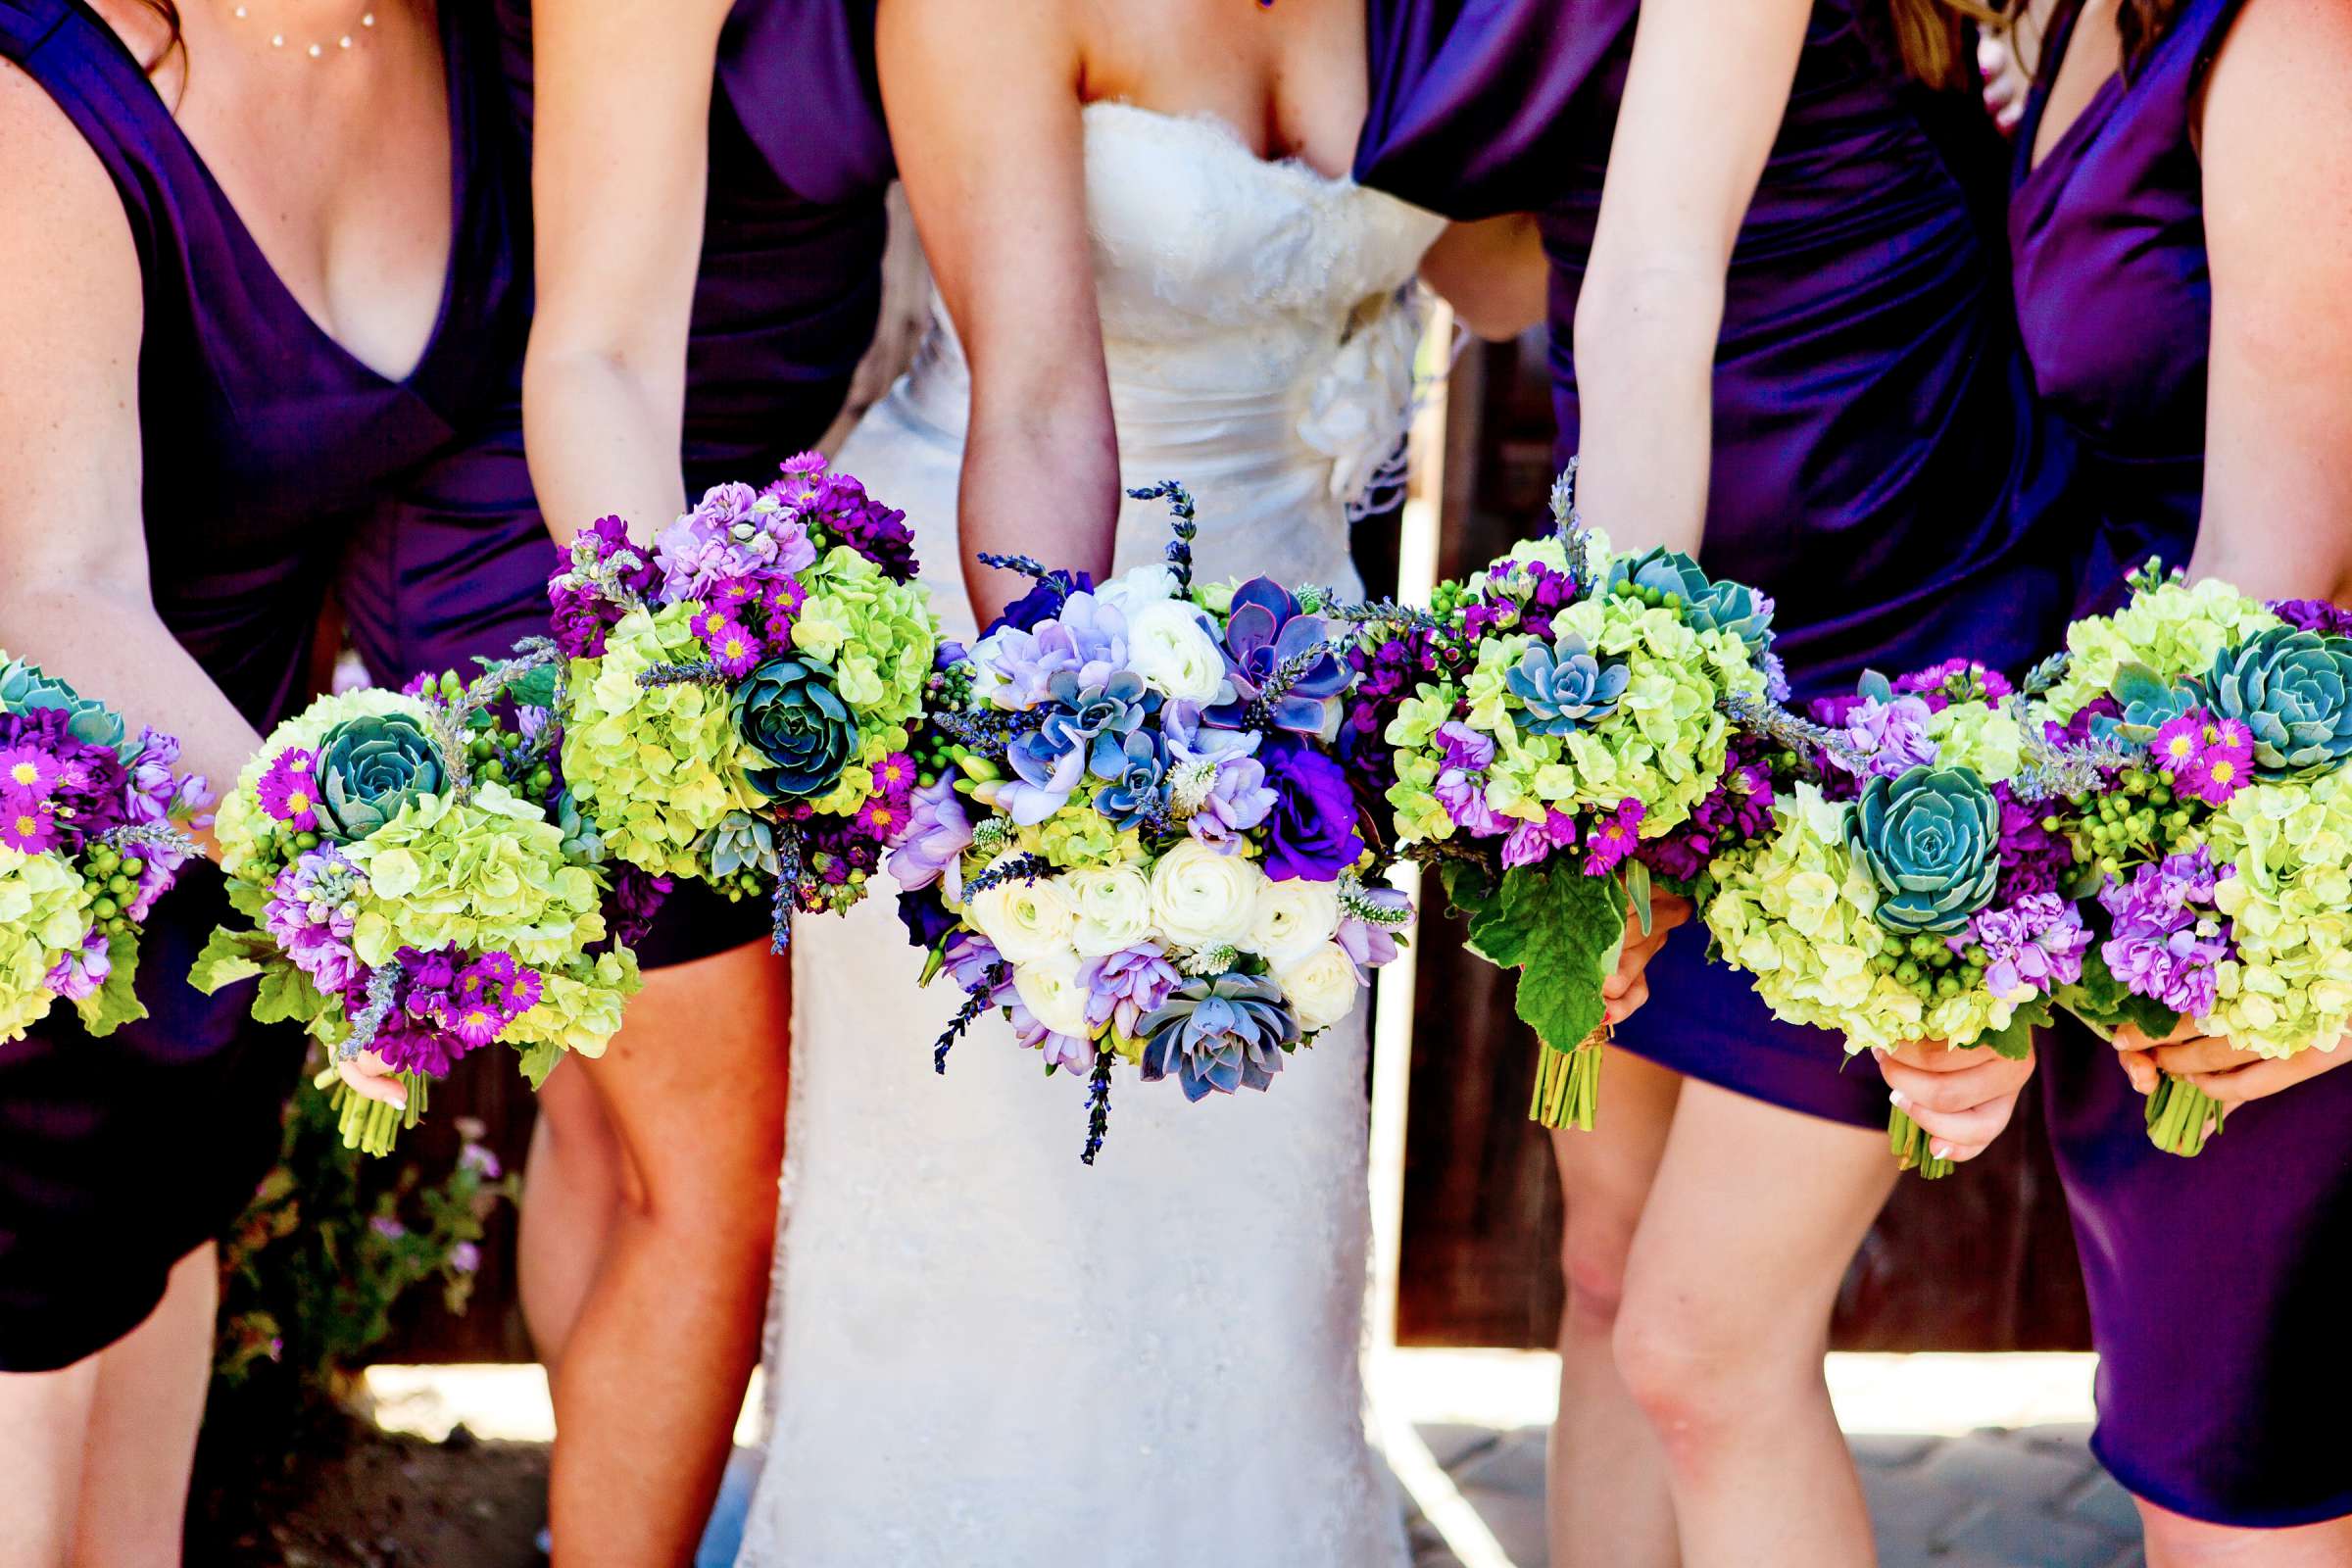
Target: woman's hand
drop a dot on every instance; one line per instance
(366, 1076)
(1628, 989)
(1962, 1099)
(2211, 1063)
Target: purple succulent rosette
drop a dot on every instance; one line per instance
(93, 823)
(420, 886)
(1135, 835)
(2209, 821)
(1559, 735)
(738, 698)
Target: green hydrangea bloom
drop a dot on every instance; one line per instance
(656, 767)
(579, 1004)
(1550, 551)
(2174, 628)
(2289, 988)
(1077, 835)
(253, 844)
(1981, 736)
(1419, 715)
(1798, 911)
(488, 874)
(1418, 814)
(878, 636)
(42, 918)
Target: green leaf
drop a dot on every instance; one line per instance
(249, 899)
(1563, 930)
(535, 688)
(2016, 1042)
(229, 956)
(538, 1060)
(286, 996)
(116, 1003)
(2106, 1004)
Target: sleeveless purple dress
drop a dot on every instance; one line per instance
(267, 445)
(2215, 1282)
(785, 304)
(1878, 465)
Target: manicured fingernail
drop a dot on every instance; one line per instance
(1879, 1052)
(1941, 1150)
(1896, 1095)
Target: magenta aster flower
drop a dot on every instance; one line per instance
(883, 818)
(1614, 837)
(733, 647)
(289, 790)
(27, 825)
(2209, 757)
(894, 776)
(29, 770)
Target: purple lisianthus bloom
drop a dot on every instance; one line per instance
(1310, 834)
(78, 974)
(1124, 987)
(1463, 795)
(938, 833)
(926, 916)
(2032, 947)
(1366, 945)
(1465, 748)
(1614, 837)
(1264, 630)
(1042, 602)
(1531, 842)
(289, 790)
(1891, 736)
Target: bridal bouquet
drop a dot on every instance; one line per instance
(737, 708)
(1131, 835)
(2217, 824)
(90, 837)
(419, 889)
(1553, 732)
(1913, 889)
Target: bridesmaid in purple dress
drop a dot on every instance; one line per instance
(2181, 229)
(237, 319)
(709, 182)
(1780, 340)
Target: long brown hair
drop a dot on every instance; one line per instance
(2141, 24)
(1932, 37)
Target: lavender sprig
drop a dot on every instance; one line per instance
(1768, 721)
(1019, 868)
(788, 888)
(1097, 1102)
(695, 672)
(975, 1003)
(383, 994)
(162, 837)
(2047, 674)
(1180, 504)
(988, 731)
(2052, 771)
(1260, 714)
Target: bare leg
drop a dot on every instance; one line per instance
(1608, 1499)
(654, 1371)
(45, 1427)
(2177, 1542)
(571, 1197)
(1755, 1213)
(144, 1421)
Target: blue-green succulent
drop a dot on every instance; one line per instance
(1219, 1035)
(1564, 687)
(368, 768)
(2293, 689)
(1672, 578)
(2148, 700)
(24, 686)
(1930, 841)
(789, 711)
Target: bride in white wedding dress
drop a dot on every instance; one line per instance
(986, 1354)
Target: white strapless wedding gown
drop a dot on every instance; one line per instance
(986, 1354)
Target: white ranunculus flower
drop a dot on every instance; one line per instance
(1200, 899)
(1130, 591)
(1169, 646)
(1028, 921)
(1293, 920)
(1322, 986)
(1113, 906)
(1050, 989)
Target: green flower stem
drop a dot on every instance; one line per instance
(369, 1125)
(1909, 1141)
(2181, 1116)
(1568, 1084)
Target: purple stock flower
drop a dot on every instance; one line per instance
(313, 906)
(581, 614)
(1531, 842)
(637, 897)
(1463, 795)
(2032, 859)
(836, 506)
(1310, 835)
(1955, 680)
(1124, 987)
(2032, 947)
(1737, 810)
(1891, 736)
(729, 533)
(1614, 837)
(2164, 938)
(1465, 748)
(2314, 614)
(78, 974)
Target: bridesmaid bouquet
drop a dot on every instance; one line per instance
(1131, 834)
(2217, 824)
(737, 706)
(91, 835)
(1912, 889)
(1552, 733)
(419, 889)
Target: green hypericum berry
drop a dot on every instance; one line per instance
(132, 865)
(1947, 984)
(306, 840)
(1907, 972)
(106, 908)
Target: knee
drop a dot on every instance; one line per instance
(1592, 1254)
(1701, 1369)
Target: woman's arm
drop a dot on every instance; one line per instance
(622, 114)
(1703, 99)
(73, 590)
(997, 177)
(1494, 274)
(2278, 156)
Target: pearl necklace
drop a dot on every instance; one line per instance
(317, 51)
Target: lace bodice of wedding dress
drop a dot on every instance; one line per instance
(984, 1354)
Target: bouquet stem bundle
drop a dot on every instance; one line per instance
(1568, 1083)
(369, 1125)
(2181, 1116)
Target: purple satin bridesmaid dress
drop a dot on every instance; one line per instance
(1879, 467)
(2215, 1282)
(785, 304)
(267, 446)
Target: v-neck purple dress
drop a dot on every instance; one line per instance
(785, 305)
(266, 446)
(1878, 469)
(2216, 1296)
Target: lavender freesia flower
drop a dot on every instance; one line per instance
(938, 833)
(1087, 640)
